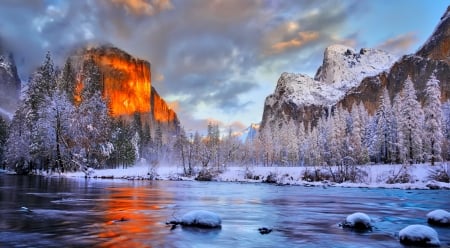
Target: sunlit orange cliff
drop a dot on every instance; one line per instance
(127, 84)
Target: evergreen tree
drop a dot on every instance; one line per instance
(3, 137)
(385, 130)
(17, 153)
(92, 79)
(90, 129)
(124, 153)
(68, 81)
(433, 120)
(410, 124)
(357, 148)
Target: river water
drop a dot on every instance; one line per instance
(65, 212)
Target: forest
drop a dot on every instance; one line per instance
(60, 126)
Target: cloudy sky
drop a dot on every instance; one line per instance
(215, 59)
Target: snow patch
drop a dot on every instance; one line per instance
(439, 217)
(201, 218)
(419, 235)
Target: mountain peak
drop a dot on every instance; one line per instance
(344, 67)
(437, 47)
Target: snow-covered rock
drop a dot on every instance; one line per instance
(439, 217)
(344, 67)
(358, 221)
(419, 235)
(303, 98)
(201, 218)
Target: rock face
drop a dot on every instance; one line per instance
(305, 99)
(437, 47)
(346, 77)
(127, 85)
(9, 85)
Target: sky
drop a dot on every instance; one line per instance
(215, 60)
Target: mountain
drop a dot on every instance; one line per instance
(9, 85)
(127, 85)
(250, 133)
(302, 98)
(346, 77)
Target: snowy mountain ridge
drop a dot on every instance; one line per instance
(347, 77)
(342, 69)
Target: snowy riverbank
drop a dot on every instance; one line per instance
(376, 176)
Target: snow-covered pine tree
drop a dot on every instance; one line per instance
(291, 142)
(38, 97)
(67, 81)
(92, 79)
(357, 148)
(410, 123)
(338, 136)
(91, 131)
(384, 119)
(446, 130)
(17, 153)
(433, 121)
(3, 136)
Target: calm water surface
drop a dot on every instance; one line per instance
(85, 213)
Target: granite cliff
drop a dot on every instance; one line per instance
(347, 76)
(127, 85)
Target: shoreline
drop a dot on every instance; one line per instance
(375, 176)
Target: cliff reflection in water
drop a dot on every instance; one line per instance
(131, 220)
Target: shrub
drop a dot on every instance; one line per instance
(440, 173)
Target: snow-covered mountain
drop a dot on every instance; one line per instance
(250, 133)
(9, 85)
(301, 97)
(347, 76)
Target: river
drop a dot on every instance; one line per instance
(68, 212)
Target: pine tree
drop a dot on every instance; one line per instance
(41, 89)
(358, 149)
(68, 81)
(433, 120)
(410, 124)
(385, 130)
(91, 131)
(17, 153)
(3, 137)
(92, 79)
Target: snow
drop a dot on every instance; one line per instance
(344, 67)
(201, 218)
(419, 234)
(342, 70)
(439, 216)
(377, 175)
(358, 220)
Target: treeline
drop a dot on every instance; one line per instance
(403, 131)
(63, 123)
(60, 126)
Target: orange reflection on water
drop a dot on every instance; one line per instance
(134, 217)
